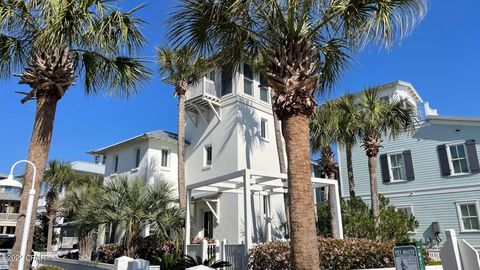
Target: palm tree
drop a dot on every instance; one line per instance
(380, 116)
(58, 175)
(182, 67)
(348, 130)
(303, 45)
(324, 132)
(51, 44)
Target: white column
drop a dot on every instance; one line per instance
(338, 211)
(268, 218)
(188, 194)
(247, 207)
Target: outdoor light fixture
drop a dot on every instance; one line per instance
(10, 182)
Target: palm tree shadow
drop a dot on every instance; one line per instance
(250, 127)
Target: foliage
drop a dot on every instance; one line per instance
(177, 262)
(49, 267)
(40, 233)
(108, 253)
(358, 221)
(150, 248)
(70, 255)
(189, 261)
(350, 253)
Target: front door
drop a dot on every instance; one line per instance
(208, 224)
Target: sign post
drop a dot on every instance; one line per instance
(409, 257)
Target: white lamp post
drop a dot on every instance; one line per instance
(10, 182)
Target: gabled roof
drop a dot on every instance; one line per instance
(391, 85)
(157, 135)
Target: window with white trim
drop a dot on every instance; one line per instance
(263, 128)
(468, 216)
(264, 94)
(207, 156)
(397, 167)
(458, 158)
(247, 80)
(164, 161)
(407, 210)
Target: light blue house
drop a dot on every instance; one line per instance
(433, 173)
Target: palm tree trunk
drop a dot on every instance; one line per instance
(281, 162)
(38, 154)
(333, 213)
(372, 169)
(86, 244)
(51, 218)
(351, 179)
(181, 152)
(303, 245)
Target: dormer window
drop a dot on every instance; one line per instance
(247, 80)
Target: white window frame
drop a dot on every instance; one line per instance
(205, 156)
(404, 206)
(450, 161)
(404, 172)
(252, 81)
(168, 158)
(264, 120)
(460, 217)
(268, 95)
(139, 151)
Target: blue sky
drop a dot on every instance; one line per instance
(441, 59)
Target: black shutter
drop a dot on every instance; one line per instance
(472, 156)
(407, 159)
(385, 169)
(443, 159)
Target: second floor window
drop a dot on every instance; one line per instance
(226, 81)
(164, 161)
(208, 156)
(137, 157)
(247, 80)
(263, 128)
(397, 167)
(115, 164)
(264, 94)
(458, 159)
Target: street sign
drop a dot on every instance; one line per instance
(407, 257)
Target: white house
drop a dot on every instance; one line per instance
(234, 186)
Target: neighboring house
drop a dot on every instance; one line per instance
(231, 141)
(432, 173)
(10, 205)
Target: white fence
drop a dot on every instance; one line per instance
(234, 254)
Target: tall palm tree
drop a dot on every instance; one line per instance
(381, 116)
(348, 130)
(303, 44)
(53, 43)
(58, 175)
(324, 132)
(182, 67)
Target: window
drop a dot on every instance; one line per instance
(468, 216)
(263, 128)
(226, 81)
(319, 195)
(97, 159)
(10, 230)
(211, 75)
(397, 167)
(247, 80)
(164, 161)
(104, 159)
(137, 157)
(208, 156)
(208, 224)
(408, 212)
(458, 159)
(115, 165)
(264, 93)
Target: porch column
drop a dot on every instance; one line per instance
(247, 204)
(268, 217)
(188, 194)
(338, 211)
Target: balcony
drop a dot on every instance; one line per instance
(202, 98)
(10, 217)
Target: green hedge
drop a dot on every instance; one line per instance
(335, 254)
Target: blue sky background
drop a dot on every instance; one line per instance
(441, 59)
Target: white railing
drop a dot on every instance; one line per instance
(203, 87)
(68, 242)
(9, 217)
(234, 254)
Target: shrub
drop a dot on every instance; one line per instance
(334, 254)
(149, 247)
(49, 267)
(70, 255)
(108, 253)
(358, 221)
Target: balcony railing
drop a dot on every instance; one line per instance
(203, 87)
(9, 217)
